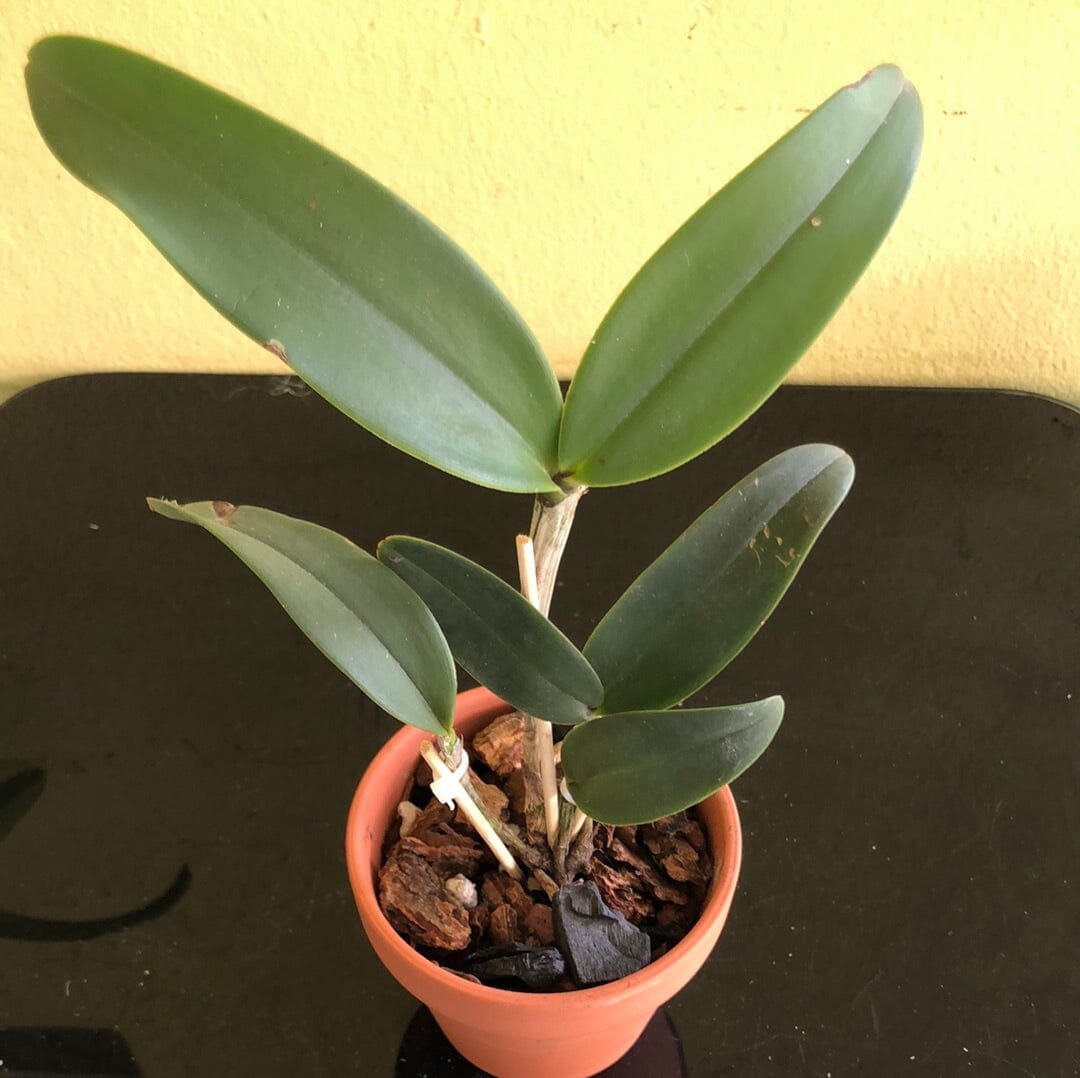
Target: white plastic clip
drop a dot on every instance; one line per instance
(447, 786)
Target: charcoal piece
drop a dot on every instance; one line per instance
(537, 968)
(599, 944)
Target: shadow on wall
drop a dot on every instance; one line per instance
(83, 1053)
(21, 784)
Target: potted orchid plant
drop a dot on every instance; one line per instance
(383, 315)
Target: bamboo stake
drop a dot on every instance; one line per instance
(472, 812)
(545, 748)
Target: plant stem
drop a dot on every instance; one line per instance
(473, 813)
(551, 524)
(531, 857)
(542, 743)
(538, 565)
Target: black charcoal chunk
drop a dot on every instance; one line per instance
(537, 968)
(599, 944)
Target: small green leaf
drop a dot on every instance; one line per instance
(701, 602)
(365, 620)
(711, 324)
(495, 633)
(638, 766)
(369, 302)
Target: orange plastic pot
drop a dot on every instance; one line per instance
(522, 1034)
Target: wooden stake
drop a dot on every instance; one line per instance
(545, 747)
(527, 570)
(472, 812)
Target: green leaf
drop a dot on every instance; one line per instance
(370, 303)
(365, 620)
(636, 767)
(701, 602)
(712, 323)
(496, 634)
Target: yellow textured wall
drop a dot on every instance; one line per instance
(560, 141)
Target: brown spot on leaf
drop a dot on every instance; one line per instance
(277, 348)
(223, 510)
(815, 222)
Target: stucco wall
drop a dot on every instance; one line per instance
(560, 142)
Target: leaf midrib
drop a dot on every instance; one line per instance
(292, 242)
(627, 771)
(366, 626)
(667, 369)
(517, 652)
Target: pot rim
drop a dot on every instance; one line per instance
(680, 961)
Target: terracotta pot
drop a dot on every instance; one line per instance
(521, 1034)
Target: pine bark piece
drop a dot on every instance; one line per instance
(545, 883)
(514, 788)
(647, 874)
(616, 887)
(539, 925)
(479, 919)
(599, 944)
(603, 834)
(412, 897)
(535, 813)
(676, 921)
(499, 743)
(685, 865)
(504, 925)
(494, 803)
(678, 845)
(449, 857)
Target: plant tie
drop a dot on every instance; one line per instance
(445, 787)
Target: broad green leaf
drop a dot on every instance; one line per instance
(21, 784)
(496, 634)
(711, 324)
(370, 303)
(698, 605)
(636, 767)
(365, 620)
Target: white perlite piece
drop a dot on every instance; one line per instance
(462, 890)
(407, 813)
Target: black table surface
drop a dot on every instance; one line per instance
(175, 901)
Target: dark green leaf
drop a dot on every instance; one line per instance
(698, 605)
(493, 631)
(371, 304)
(638, 766)
(365, 620)
(712, 323)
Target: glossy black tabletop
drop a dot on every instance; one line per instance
(174, 902)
